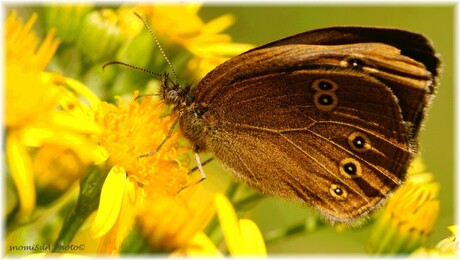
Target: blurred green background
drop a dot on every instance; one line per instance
(264, 23)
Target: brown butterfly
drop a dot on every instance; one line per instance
(329, 117)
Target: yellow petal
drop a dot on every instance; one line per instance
(100, 155)
(453, 229)
(36, 137)
(111, 241)
(199, 245)
(128, 211)
(21, 171)
(80, 125)
(252, 238)
(111, 198)
(219, 24)
(227, 49)
(82, 90)
(229, 224)
(46, 50)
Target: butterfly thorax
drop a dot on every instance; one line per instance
(198, 125)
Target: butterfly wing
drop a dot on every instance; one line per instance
(413, 98)
(411, 44)
(408, 79)
(302, 121)
(342, 150)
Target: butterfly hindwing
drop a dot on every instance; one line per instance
(276, 135)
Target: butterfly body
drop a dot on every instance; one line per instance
(328, 117)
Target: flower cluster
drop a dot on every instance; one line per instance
(409, 216)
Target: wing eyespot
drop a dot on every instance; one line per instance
(356, 63)
(359, 142)
(350, 168)
(324, 85)
(324, 97)
(338, 192)
(325, 100)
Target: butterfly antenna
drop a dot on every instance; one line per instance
(132, 67)
(158, 44)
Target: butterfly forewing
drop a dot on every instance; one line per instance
(412, 45)
(410, 84)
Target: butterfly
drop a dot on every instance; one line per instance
(329, 117)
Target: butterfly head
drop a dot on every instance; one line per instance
(173, 93)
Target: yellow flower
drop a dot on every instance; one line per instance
(134, 129)
(24, 66)
(408, 216)
(131, 129)
(180, 24)
(242, 237)
(56, 169)
(170, 223)
(35, 105)
(447, 247)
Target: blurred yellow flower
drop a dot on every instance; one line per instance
(56, 169)
(34, 105)
(28, 92)
(181, 24)
(133, 129)
(242, 237)
(169, 223)
(447, 247)
(409, 214)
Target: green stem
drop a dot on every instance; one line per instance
(231, 190)
(88, 201)
(243, 203)
(310, 225)
(135, 244)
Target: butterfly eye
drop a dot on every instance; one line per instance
(338, 192)
(324, 85)
(172, 97)
(359, 142)
(350, 168)
(325, 101)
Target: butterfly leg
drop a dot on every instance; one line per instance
(170, 132)
(200, 167)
